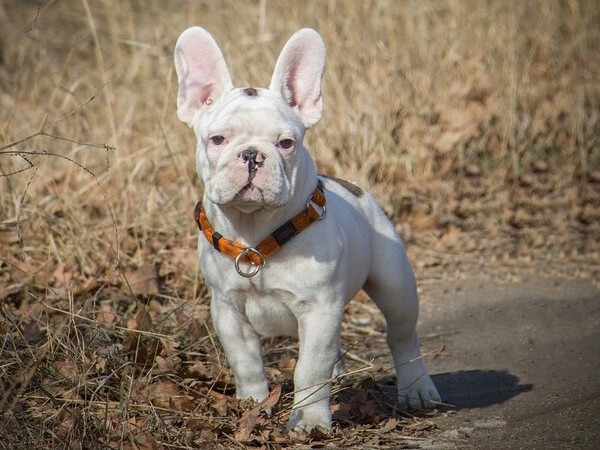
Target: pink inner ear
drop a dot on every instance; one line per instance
(291, 81)
(195, 93)
(302, 84)
(196, 87)
(203, 75)
(298, 73)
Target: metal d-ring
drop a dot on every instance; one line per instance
(316, 208)
(256, 268)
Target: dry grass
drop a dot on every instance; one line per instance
(475, 123)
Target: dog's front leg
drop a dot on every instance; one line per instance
(242, 348)
(319, 333)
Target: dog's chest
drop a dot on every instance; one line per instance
(268, 313)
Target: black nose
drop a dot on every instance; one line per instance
(250, 154)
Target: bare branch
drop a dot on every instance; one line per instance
(46, 131)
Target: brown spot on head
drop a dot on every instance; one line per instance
(250, 92)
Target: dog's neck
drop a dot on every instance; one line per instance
(251, 228)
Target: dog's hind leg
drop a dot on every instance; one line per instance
(392, 286)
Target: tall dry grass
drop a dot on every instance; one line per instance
(414, 92)
(457, 115)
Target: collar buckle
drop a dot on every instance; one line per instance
(255, 267)
(320, 210)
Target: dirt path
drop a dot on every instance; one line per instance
(520, 362)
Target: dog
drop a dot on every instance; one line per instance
(261, 189)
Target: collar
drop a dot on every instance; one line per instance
(256, 256)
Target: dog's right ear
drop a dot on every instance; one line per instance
(298, 73)
(202, 73)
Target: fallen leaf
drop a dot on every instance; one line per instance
(161, 393)
(242, 435)
(66, 368)
(199, 424)
(162, 366)
(144, 348)
(156, 307)
(89, 284)
(537, 240)
(183, 403)
(526, 180)
(520, 218)
(539, 166)
(169, 347)
(101, 365)
(422, 220)
(185, 258)
(272, 399)
(198, 370)
(472, 170)
(298, 436)
(287, 364)
(61, 274)
(8, 237)
(142, 442)
(318, 433)
(390, 425)
(220, 406)
(106, 313)
(65, 426)
(143, 280)
(264, 436)
(278, 437)
(198, 329)
(143, 320)
(32, 333)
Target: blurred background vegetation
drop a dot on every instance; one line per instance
(475, 124)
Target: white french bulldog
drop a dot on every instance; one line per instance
(257, 175)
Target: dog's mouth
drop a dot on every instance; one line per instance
(249, 199)
(250, 188)
(249, 194)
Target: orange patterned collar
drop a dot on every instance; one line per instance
(256, 256)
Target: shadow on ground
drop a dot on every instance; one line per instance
(460, 390)
(478, 388)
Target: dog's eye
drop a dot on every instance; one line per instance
(285, 143)
(217, 140)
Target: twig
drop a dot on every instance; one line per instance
(87, 319)
(44, 130)
(320, 385)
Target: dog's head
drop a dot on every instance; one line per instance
(249, 140)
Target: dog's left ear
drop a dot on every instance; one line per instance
(298, 73)
(202, 72)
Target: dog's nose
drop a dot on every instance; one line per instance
(249, 154)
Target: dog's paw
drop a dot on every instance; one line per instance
(305, 419)
(419, 393)
(257, 392)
